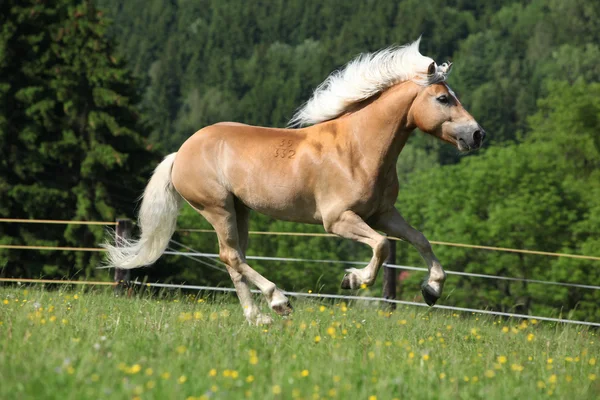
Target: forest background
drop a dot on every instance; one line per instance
(93, 94)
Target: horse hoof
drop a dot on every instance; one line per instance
(283, 309)
(260, 320)
(429, 295)
(350, 281)
(346, 282)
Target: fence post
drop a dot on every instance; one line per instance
(389, 276)
(123, 232)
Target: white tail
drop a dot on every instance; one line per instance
(157, 220)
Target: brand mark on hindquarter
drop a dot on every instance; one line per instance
(285, 149)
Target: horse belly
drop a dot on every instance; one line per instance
(280, 200)
(281, 191)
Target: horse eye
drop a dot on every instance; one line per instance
(443, 99)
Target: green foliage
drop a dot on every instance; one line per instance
(68, 127)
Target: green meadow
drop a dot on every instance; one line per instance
(74, 343)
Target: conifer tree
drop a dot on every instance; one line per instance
(71, 145)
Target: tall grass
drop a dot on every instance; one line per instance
(74, 344)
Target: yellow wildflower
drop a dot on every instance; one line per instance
(502, 359)
(553, 378)
(517, 367)
(135, 369)
(530, 337)
(304, 373)
(317, 339)
(182, 379)
(490, 373)
(250, 378)
(212, 372)
(592, 377)
(276, 389)
(541, 384)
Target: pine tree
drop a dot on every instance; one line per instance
(70, 141)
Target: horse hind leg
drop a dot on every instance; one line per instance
(224, 220)
(251, 310)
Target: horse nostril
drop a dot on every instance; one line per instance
(477, 136)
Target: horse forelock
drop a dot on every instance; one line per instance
(365, 76)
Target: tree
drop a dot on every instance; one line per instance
(70, 141)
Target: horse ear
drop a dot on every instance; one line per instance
(431, 69)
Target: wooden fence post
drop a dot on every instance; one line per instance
(389, 276)
(123, 232)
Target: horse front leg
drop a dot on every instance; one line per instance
(349, 225)
(393, 224)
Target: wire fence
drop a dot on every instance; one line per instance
(315, 295)
(394, 266)
(276, 233)
(466, 245)
(195, 256)
(55, 221)
(214, 256)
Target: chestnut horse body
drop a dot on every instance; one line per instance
(339, 172)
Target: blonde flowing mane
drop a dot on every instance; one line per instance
(365, 76)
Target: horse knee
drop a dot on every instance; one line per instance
(230, 257)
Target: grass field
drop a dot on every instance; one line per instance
(74, 344)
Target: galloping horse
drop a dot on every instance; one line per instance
(340, 171)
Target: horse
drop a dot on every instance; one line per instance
(335, 165)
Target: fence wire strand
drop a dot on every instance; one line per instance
(472, 246)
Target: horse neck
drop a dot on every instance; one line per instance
(381, 128)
